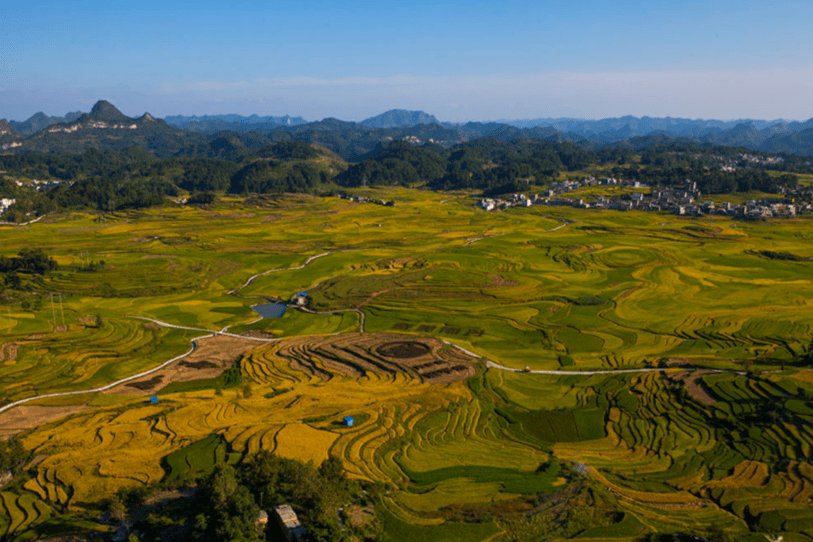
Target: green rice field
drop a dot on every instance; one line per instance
(553, 306)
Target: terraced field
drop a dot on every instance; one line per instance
(404, 303)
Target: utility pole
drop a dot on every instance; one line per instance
(62, 311)
(53, 311)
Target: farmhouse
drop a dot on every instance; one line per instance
(5, 203)
(300, 299)
(289, 523)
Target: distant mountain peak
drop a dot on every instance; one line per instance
(6, 128)
(105, 111)
(39, 116)
(399, 118)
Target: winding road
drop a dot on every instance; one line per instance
(193, 347)
(112, 384)
(252, 278)
(557, 372)
(224, 332)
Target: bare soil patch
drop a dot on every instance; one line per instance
(212, 356)
(693, 382)
(24, 417)
(499, 281)
(403, 349)
(146, 384)
(359, 516)
(8, 352)
(199, 364)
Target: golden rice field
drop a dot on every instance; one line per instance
(720, 439)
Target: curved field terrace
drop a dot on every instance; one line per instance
(647, 373)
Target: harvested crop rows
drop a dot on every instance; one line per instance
(722, 437)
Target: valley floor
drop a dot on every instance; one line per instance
(648, 369)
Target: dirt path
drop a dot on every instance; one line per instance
(112, 384)
(223, 332)
(495, 365)
(212, 332)
(254, 277)
(29, 416)
(23, 223)
(193, 347)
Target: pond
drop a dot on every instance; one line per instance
(271, 310)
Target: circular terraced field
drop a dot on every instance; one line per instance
(403, 350)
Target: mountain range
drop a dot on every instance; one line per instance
(239, 123)
(106, 127)
(40, 120)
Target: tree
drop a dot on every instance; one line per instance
(12, 455)
(228, 508)
(201, 198)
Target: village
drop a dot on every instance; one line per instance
(683, 200)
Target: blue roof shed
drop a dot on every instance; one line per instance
(348, 421)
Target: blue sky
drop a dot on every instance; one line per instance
(459, 60)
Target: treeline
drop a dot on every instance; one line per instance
(112, 181)
(489, 164)
(496, 166)
(134, 178)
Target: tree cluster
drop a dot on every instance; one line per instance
(230, 499)
(13, 456)
(31, 260)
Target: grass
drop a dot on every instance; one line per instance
(400, 530)
(564, 425)
(609, 290)
(195, 460)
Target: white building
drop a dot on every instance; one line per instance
(5, 203)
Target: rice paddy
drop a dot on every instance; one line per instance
(721, 438)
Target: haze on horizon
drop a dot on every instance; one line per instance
(487, 60)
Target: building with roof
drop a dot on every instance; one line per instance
(292, 529)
